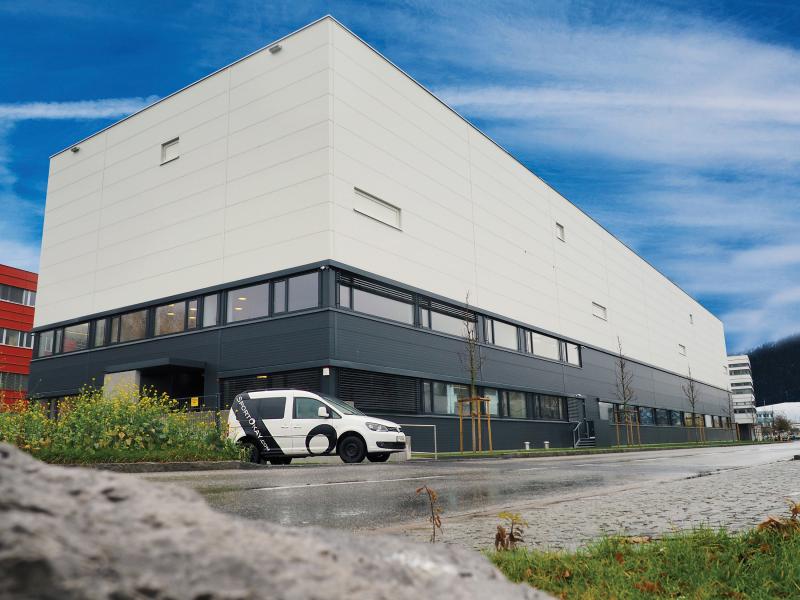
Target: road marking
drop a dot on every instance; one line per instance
(313, 485)
(535, 469)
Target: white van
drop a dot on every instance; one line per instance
(278, 425)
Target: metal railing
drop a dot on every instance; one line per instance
(435, 442)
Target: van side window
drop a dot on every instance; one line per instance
(271, 408)
(308, 408)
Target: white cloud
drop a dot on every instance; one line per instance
(107, 108)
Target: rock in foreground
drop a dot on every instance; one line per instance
(77, 533)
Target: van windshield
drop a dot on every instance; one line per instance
(342, 406)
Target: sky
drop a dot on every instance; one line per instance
(676, 125)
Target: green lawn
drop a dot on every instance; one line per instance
(562, 451)
(700, 564)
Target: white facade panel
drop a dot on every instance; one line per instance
(122, 228)
(390, 133)
(271, 152)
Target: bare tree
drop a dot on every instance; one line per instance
(692, 394)
(625, 394)
(472, 361)
(731, 414)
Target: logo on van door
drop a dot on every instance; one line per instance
(329, 432)
(253, 426)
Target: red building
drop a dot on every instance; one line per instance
(17, 297)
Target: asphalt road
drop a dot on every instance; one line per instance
(371, 496)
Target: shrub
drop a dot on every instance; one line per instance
(124, 426)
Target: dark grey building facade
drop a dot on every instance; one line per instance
(393, 351)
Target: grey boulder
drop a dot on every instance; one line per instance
(85, 534)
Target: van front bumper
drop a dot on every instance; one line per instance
(391, 445)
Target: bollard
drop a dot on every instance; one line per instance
(547, 445)
(408, 447)
(527, 445)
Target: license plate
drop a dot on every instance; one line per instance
(401, 438)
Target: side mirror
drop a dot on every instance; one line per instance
(322, 413)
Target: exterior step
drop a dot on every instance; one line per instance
(586, 443)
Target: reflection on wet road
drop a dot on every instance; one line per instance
(375, 495)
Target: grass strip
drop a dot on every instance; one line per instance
(699, 564)
(579, 451)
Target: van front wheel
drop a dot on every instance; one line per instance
(378, 457)
(352, 449)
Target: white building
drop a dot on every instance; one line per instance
(740, 378)
(316, 152)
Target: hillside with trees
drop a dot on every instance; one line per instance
(776, 371)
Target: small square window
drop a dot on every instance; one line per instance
(560, 233)
(691, 319)
(682, 349)
(599, 311)
(169, 150)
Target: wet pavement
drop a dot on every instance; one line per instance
(381, 496)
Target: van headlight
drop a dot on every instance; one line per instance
(376, 427)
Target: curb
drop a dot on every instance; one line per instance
(551, 453)
(170, 467)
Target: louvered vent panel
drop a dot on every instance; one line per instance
(378, 392)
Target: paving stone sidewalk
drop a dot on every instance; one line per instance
(736, 499)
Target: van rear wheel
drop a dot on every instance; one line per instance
(352, 449)
(378, 457)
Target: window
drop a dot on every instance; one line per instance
(688, 419)
(100, 333)
(129, 327)
(210, 304)
(550, 407)
(13, 381)
(599, 311)
(191, 317)
(572, 354)
(709, 421)
(501, 334)
(681, 349)
(560, 233)
(304, 291)
(12, 337)
(675, 418)
(271, 408)
(494, 401)
(646, 416)
(445, 318)
(170, 318)
(383, 306)
(662, 416)
(308, 408)
(57, 341)
(344, 296)
(449, 324)
(248, 303)
(691, 319)
(169, 150)
(76, 337)
(445, 397)
(543, 345)
(740, 372)
(10, 293)
(45, 347)
(605, 409)
(375, 208)
(515, 405)
(278, 297)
